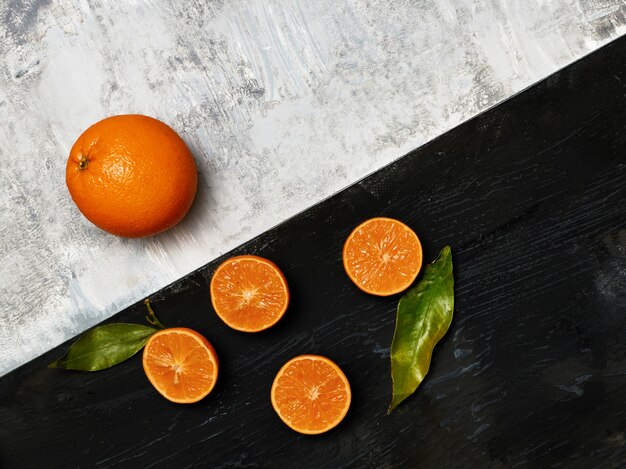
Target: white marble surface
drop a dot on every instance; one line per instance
(283, 103)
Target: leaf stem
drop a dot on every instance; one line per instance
(151, 317)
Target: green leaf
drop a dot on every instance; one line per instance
(424, 316)
(104, 346)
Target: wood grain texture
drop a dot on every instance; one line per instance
(282, 102)
(531, 197)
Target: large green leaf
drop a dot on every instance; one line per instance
(424, 316)
(105, 346)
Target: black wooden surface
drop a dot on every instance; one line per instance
(532, 198)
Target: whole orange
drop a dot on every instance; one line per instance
(131, 175)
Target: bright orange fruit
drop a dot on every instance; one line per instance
(311, 394)
(382, 256)
(181, 364)
(131, 175)
(249, 293)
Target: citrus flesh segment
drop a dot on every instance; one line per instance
(311, 394)
(181, 364)
(249, 293)
(382, 256)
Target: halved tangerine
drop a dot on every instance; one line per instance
(382, 256)
(181, 364)
(311, 394)
(249, 293)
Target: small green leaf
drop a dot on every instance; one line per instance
(104, 346)
(424, 316)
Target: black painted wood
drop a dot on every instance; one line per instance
(532, 198)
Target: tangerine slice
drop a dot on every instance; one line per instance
(249, 293)
(181, 364)
(382, 256)
(311, 394)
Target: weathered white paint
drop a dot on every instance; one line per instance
(282, 102)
